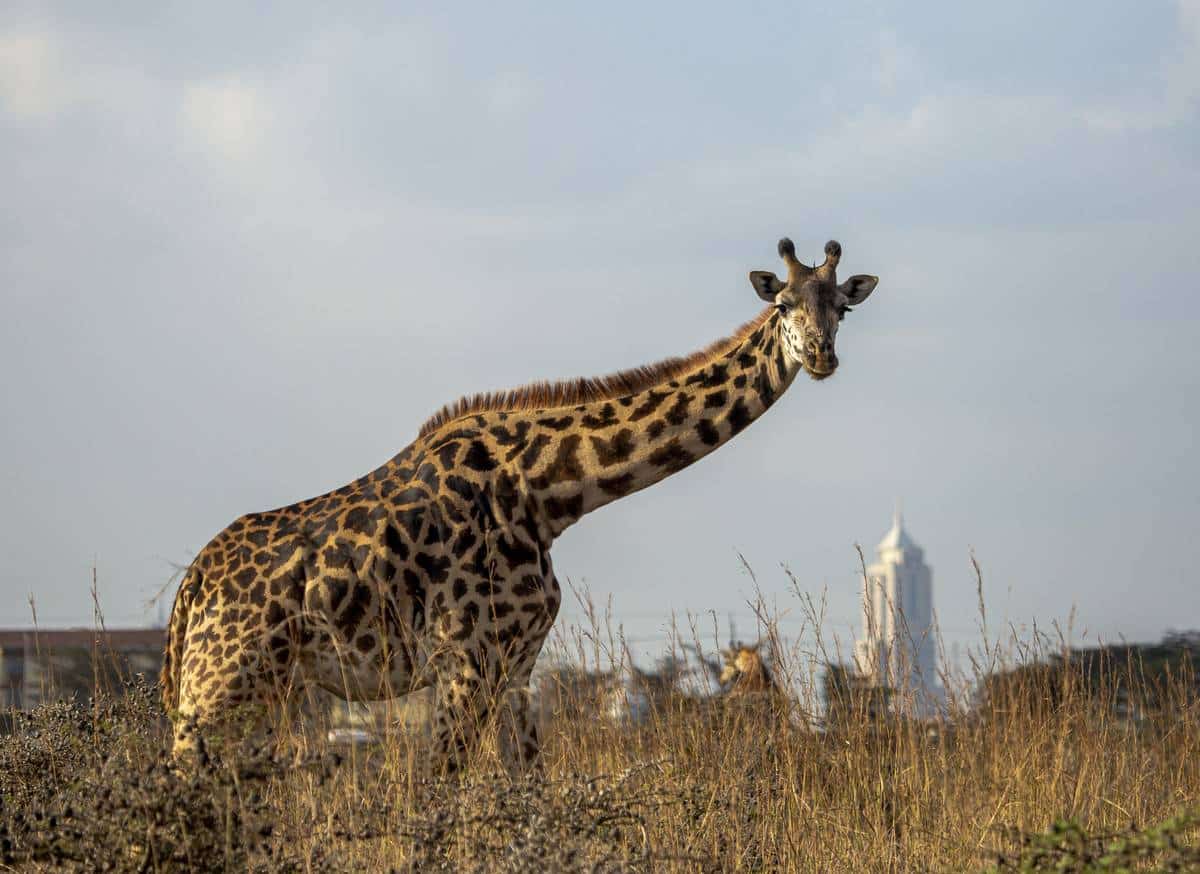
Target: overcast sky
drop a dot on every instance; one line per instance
(244, 254)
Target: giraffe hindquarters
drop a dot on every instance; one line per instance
(235, 691)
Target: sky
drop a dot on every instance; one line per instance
(245, 252)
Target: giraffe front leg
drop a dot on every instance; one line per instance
(517, 734)
(461, 710)
(518, 741)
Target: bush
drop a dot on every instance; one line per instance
(697, 785)
(1067, 849)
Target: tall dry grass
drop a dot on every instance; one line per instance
(1046, 768)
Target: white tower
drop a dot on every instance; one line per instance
(897, 648)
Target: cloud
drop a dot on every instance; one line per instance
(31, 81)
(229, 117)
(404, 193)
(48, 74)
(1175, 99)
(949, 159)
(509, 94)
(933, 131)
(894, 62)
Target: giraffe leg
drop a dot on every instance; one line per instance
(520, 750)
(518, 741)
(461, 711)
(186, 743)
(221, 725)
(229, 701)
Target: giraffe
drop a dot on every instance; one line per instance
(740, 671)
(744, 672)
(435, 568)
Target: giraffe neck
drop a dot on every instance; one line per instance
(577, 459)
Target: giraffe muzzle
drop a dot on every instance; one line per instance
(820, 360)
(820, 371)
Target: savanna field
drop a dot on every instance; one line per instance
(1048, 760)
(333, 337)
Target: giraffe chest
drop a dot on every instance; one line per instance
(448, 563)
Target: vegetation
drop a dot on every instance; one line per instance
(1038, 767)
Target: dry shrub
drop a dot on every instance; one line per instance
(569, 823)
(1039, 767)
(89, 788)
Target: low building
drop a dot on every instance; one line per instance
(38, 665)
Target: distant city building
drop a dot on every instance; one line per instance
(39, 665)
(898, 646)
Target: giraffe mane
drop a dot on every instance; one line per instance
(547, 394)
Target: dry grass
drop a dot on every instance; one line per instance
(1043, 775)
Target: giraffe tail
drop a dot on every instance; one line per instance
(168, 678)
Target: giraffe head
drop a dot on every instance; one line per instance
(744, 668)
(812, 303)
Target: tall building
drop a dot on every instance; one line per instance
(898, 645)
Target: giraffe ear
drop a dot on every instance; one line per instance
(766, 283)
(858, 288)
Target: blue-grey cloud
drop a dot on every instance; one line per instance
(246, 253)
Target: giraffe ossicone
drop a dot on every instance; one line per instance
(434, 569)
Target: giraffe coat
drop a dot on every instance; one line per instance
(435, 569)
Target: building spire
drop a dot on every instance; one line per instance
(897, 537)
